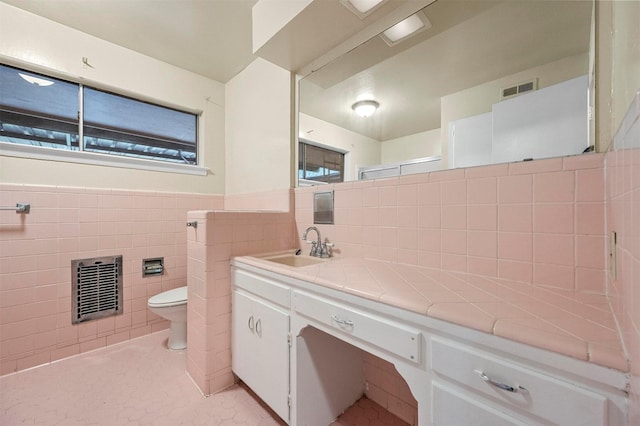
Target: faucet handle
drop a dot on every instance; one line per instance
(324, 250)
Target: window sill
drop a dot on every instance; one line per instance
(91, 158)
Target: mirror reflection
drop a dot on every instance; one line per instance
(482, 82)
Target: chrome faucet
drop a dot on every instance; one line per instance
(318, 248)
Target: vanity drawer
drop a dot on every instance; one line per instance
(517, 387)
(262, 286)
(386, 334)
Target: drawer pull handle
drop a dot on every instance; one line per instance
(499, 385)
(259, 327)
(342, 322)
(250, 322)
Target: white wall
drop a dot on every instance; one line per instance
(363, 151)
(32, 41)
(418, 145)
(479, 99)
(258, 123)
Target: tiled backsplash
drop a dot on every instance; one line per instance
(540, 222)
(36, 250)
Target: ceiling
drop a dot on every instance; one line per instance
(209, 37)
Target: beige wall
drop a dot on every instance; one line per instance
(58, 50)
(258, 117)
(363, 151)
(479, 99)
(418, 145)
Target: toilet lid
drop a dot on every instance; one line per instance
(177, 296)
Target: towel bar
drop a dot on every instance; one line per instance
(19, 208)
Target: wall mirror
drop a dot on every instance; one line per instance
(483, 82)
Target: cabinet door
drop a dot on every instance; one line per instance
(452, 407)
(243, 341)
(260, 350)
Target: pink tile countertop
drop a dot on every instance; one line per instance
(574, 324)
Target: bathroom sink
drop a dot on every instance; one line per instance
(290, 259)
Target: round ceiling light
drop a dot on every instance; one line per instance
(365, 108)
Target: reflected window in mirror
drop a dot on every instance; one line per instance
(318, 165)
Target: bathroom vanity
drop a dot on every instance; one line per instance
(299, 333)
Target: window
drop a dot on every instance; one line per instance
(38, 110)
(118, 125)
(42, 111)
(320, 164)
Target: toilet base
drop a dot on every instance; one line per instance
(177, 335)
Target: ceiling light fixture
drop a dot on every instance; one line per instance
(365, 108)
(36, 80)
(362, 8)
(406, 28)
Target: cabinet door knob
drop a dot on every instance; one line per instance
(259, 327)
(499, 385)
(250, 322)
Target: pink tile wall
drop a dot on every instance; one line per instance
(623, 217)
(540, 222)
(386, 387)
(219, 237)
(71, 223)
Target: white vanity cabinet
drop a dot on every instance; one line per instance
(302, 344)
(260, 338)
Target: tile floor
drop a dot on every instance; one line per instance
(139, 382)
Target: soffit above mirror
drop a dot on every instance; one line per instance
(324, 25)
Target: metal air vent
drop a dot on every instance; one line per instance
(518, 89)
(96, 290)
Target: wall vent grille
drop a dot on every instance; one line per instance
(518, 89)
(96, 290)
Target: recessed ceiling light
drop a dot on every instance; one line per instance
(36, 80)
(362, 8)
(406, 28)
(365, 108)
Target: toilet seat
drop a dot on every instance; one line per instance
(177, 296)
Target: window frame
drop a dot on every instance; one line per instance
(302, 141)
(81, 156)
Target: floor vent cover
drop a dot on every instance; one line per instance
(96, 288)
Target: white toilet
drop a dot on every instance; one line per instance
(172, 305)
